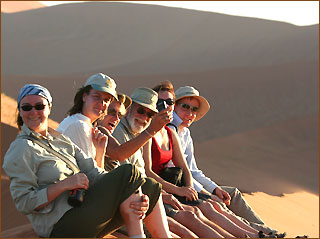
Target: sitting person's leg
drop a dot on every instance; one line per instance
(211, 224)
(240, 207)
(191, 221)
(100, 210)
(221, 220)
(179, 229)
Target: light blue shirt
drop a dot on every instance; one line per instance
(200, 180)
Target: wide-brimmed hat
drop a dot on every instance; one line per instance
(127, 100)
(189, 91)
(102, 82)
(146, 97)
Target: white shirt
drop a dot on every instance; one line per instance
(78, 128)
(200, 180)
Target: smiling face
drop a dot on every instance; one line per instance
(36, 120)
(139, 118)
(95, 103)
(115, 112)
(186, 109)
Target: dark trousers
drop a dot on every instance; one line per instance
(99, 214)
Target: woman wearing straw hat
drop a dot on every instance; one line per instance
(189, 108)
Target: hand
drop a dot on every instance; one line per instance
(140, 207)
(171, 200)
(216, 198)
(160, 120)
(99, 140)
(223, 195)
(189, 192)
(75, 181)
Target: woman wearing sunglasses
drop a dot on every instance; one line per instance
(165, 149)
(40, 181)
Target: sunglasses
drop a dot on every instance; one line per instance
(113, 112)
(168, 101)
(28, 107)
(142, 111)
(187, 107)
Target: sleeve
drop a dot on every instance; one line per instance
(20, 164)
(87, 165)
(80, 135)
(197, 174)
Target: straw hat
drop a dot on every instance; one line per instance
(188, 91)
(127, 102)
(102, 82)
(145, 97)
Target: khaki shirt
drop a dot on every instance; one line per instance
(123, 134)
(32, 169)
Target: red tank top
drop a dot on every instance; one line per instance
(161, 157)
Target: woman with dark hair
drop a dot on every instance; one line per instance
(90, 103)
(44, 166)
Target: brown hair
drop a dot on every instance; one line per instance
(165, 86)
(78, 102)
(19, 120)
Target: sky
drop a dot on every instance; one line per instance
(299, 13)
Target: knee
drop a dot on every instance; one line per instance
(187, 216)
(217, 206)
(126, 211)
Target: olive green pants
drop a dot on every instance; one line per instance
(99, 214)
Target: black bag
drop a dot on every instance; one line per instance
(172, 175)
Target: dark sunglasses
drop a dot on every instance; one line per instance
(187, 107)
(28, 107)
(114, 113)
(168, 101)
(142, 111)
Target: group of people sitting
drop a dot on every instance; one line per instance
(133, 157)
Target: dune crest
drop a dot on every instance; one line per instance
(19, 6)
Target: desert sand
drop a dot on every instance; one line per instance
(260, 77)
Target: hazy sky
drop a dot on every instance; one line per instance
(295, 12)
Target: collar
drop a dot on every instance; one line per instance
(176, 120)
(27, 131)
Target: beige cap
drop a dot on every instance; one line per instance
(102, 82)
(146, 97)
(189, 91)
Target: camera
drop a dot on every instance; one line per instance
(75, 198)
(162, 105)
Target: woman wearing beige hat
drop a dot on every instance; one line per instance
(90, 103)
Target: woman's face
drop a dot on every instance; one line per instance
(187, 109)
(95, 103)
(115, 112)
(35, 119)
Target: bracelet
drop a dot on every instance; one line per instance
(148, 133)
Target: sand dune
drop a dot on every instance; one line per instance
(174, 40)
(19, 6)
(261, 78)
